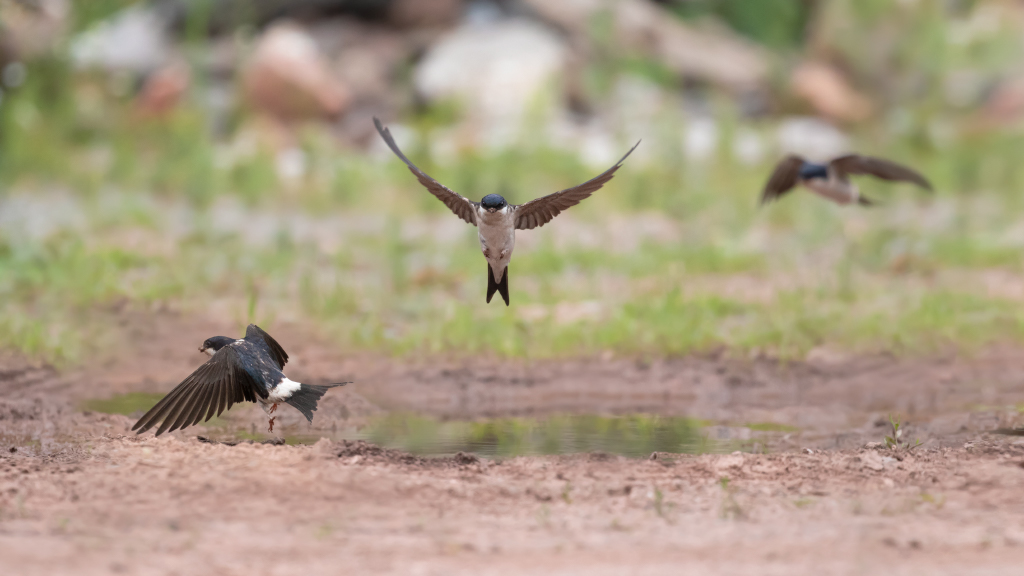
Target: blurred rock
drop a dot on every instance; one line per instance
(498, 71)
(289, 78)
(716, 56)
(31, 28)
(163, 89)
(365, 57)
(1005, 105)
(134, 40)
(828, 92)
(812, 138)
(425, 13)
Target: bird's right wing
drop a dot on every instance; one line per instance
(782, 180)
(462, 207)
(540, 211)
(212, 388)
(278, 353)
(884, 169)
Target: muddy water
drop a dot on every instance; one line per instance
(632, 435)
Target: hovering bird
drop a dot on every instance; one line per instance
(246, 369)
(498, 220)
(832, 180)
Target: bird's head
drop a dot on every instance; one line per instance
(810, 170)
(212, 345)
(493, 202)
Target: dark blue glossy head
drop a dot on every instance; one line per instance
(493, 202)
(811, 170)
(212, 345)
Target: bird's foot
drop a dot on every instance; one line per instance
(273, 408)
(271, 422)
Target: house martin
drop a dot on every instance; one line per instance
(831, 181)
(496, 219)
(247, 369)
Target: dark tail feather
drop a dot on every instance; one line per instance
(864, 201)
(305, 398)
(493, 286)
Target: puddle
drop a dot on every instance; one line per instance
(635, 435)
(128, 404)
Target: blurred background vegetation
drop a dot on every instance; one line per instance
(217, 158)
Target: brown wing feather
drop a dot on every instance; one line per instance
(783, 179)
(212, 388)
(280, 356)
(884, 169)
(539, 212)
(460, 206)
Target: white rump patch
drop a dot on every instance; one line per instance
(284, 390)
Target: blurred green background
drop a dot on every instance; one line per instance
(218, 159)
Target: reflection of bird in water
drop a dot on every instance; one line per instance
(498, 220)
(246, 369)
(831, 181)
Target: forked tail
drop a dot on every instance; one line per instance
(493, 286)
(305, 398)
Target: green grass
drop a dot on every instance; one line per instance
(672, 257)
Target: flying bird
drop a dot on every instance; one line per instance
(496, 219)
(247, 369)
(832, 180)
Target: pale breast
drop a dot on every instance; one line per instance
(497, 232)
(834, 190)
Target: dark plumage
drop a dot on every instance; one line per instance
(240, 370)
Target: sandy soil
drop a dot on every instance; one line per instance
(79, 494)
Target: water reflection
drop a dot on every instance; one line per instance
(636, 435)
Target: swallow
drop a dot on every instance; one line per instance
(496, 219)
(246, 369)
(832, 181)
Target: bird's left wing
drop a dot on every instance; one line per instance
(462, 207)
(884, 169)
(539, 212)
(212, 388)
(280, 356)
(783, 178)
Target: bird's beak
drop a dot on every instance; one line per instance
(491, 209)
(201, 349)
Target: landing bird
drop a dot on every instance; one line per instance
(246, 369)
(831, 181)
(498, 220)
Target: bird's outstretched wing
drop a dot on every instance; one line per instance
(276, 351)
(539, 212)
(782, 180)
(462, 207)
(212, 388)
(884, 169)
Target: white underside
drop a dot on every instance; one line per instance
(497, 231)
(284, 390)
(835, 190)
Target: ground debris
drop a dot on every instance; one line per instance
(362, 452)
(270, 442)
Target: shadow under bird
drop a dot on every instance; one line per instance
(240, 370)
(496, 219)
(832, 180)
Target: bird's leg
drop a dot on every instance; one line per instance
(273, 408)
(272, 423)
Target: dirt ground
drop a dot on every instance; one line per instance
(80, 494)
